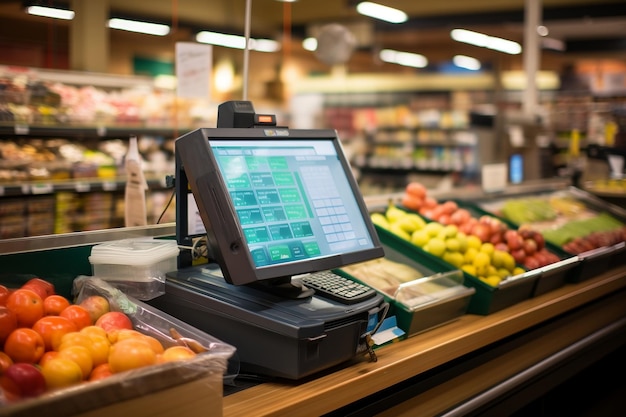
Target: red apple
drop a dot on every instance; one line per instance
(513, 240)
(21, 380)
(532, 262)
(114, 320)
(96, 305)
(519, 255)
(530, 247)
(40, 286)
(482, 231)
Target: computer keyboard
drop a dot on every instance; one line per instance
(336, 287)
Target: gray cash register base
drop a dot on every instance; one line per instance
(274, 336)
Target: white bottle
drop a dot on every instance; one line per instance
(136, 186)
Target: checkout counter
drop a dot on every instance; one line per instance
(476, 365)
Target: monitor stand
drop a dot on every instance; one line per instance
(284, 287)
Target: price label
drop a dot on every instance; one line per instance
(109, 186)
(42, 188)
(82, 187)
(101, 131)
(1, 190)
(21, 129)
(25, 189)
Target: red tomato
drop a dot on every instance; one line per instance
(5, 362)
(4, 294)
(8, 323)
(24, 345)
(27, 305)
(40, 286)
(54, 304)
(52, 329)
(78, 315)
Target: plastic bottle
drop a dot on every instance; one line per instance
(136, 185)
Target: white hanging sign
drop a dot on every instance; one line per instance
(193, 69)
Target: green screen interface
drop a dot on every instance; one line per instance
(292, 197)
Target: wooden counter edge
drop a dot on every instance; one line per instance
(422, 352)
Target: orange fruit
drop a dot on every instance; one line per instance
(124, 334)
(74, 338)
(52, 329)
(79, 354)
(61, 372)
(176, 353)
(100, 372)
(54, 304)
(47, 356)
(93, 330)
(24, 345)
(27, 306)
(99, 348)
(77, 314)
(97, 345)
(131, 353)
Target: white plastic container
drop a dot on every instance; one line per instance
(135, 266)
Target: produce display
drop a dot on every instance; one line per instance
(563, 219)
(525, 245)
(49, 343)
(466, 252)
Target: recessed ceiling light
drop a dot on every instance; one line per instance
(237, 42)
(467, 62)
(50, 12)
(139, 27)
(378, 11)
(486, 41)
(407, 59)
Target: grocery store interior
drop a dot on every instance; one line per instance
(491, 105)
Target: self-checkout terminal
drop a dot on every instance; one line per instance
(261, 212)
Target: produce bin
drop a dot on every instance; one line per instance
(556, 275)
(566, 211)
(436, 295)
(618, 257)
(192, 387)
(486, 298)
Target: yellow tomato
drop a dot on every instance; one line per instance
(61, 372)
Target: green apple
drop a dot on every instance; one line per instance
(420, 238)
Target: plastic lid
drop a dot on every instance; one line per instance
(133, 251)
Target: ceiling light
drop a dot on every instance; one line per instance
(309, 44)
(237, 42)
(50, 12)
(403, 58)
(467, 62)
(139, 27)
(486, 41)
(378, 11)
